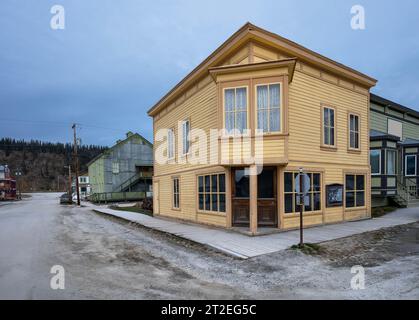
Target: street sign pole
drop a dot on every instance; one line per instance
(301, 208)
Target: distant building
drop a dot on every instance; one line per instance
(84, 185)
(127, 166)
(7, 184)
(394, 153)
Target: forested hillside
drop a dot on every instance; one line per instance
(42, 163)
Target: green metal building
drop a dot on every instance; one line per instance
(124, 171)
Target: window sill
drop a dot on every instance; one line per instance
(176, 209)
(356, 151)
(355, 209)
(212, 213)
(305, 214)
(329, 148)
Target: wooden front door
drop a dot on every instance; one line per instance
(267, 198)
(240, 197)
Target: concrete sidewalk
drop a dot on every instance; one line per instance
(244, 247)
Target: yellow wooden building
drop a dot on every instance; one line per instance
(280, 107)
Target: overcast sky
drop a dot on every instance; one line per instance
(115, 59)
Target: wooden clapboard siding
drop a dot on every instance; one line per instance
(307, 94)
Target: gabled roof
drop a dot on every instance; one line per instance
(120, 142)
(387, 103)
(251, 32)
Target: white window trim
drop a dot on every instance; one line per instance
(334, 127)
(281, 124)
(171, 139)
(227, 133)
(349, 131)
(379, 166)
(187, 138)
(173, 193)
(405, 165)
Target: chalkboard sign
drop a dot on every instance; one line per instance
(334, 195)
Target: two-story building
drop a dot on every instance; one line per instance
(394, 153)
(230, 138)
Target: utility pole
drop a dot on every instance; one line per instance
(76, 159)
(69, 179)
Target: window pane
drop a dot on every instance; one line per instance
(350, 182)
(352, 139)
(207, 202)
(201, 184)
(326, 121)
(317, 201)
(410, 165)
(360, 183)
(288, 203)
(201, 201)
(326, 136)
(356, 123)
(360, 199)
(207, 183)
(351, 123)
(332, 117)
(308, 203)
(350, 201)
(375, 156)
(288, 181)
(316, 182)
(262, 92)
(241, 184)
(263, 120)
(214, 204)
(229, 99)
(356, 140)
(332, 136)
(266, 184)
(222, 182)
(274, 95)
(274, 120)
(222, 203)
(214, 183)
(241, 121)
(241, 99)
(229, 121)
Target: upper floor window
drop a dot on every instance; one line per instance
(269, 107)
(375, 161)
(353, 131)
(235, 109)
(329, 127)
(410, 165)
(115, 167)
(170, 144)
(186, 128)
